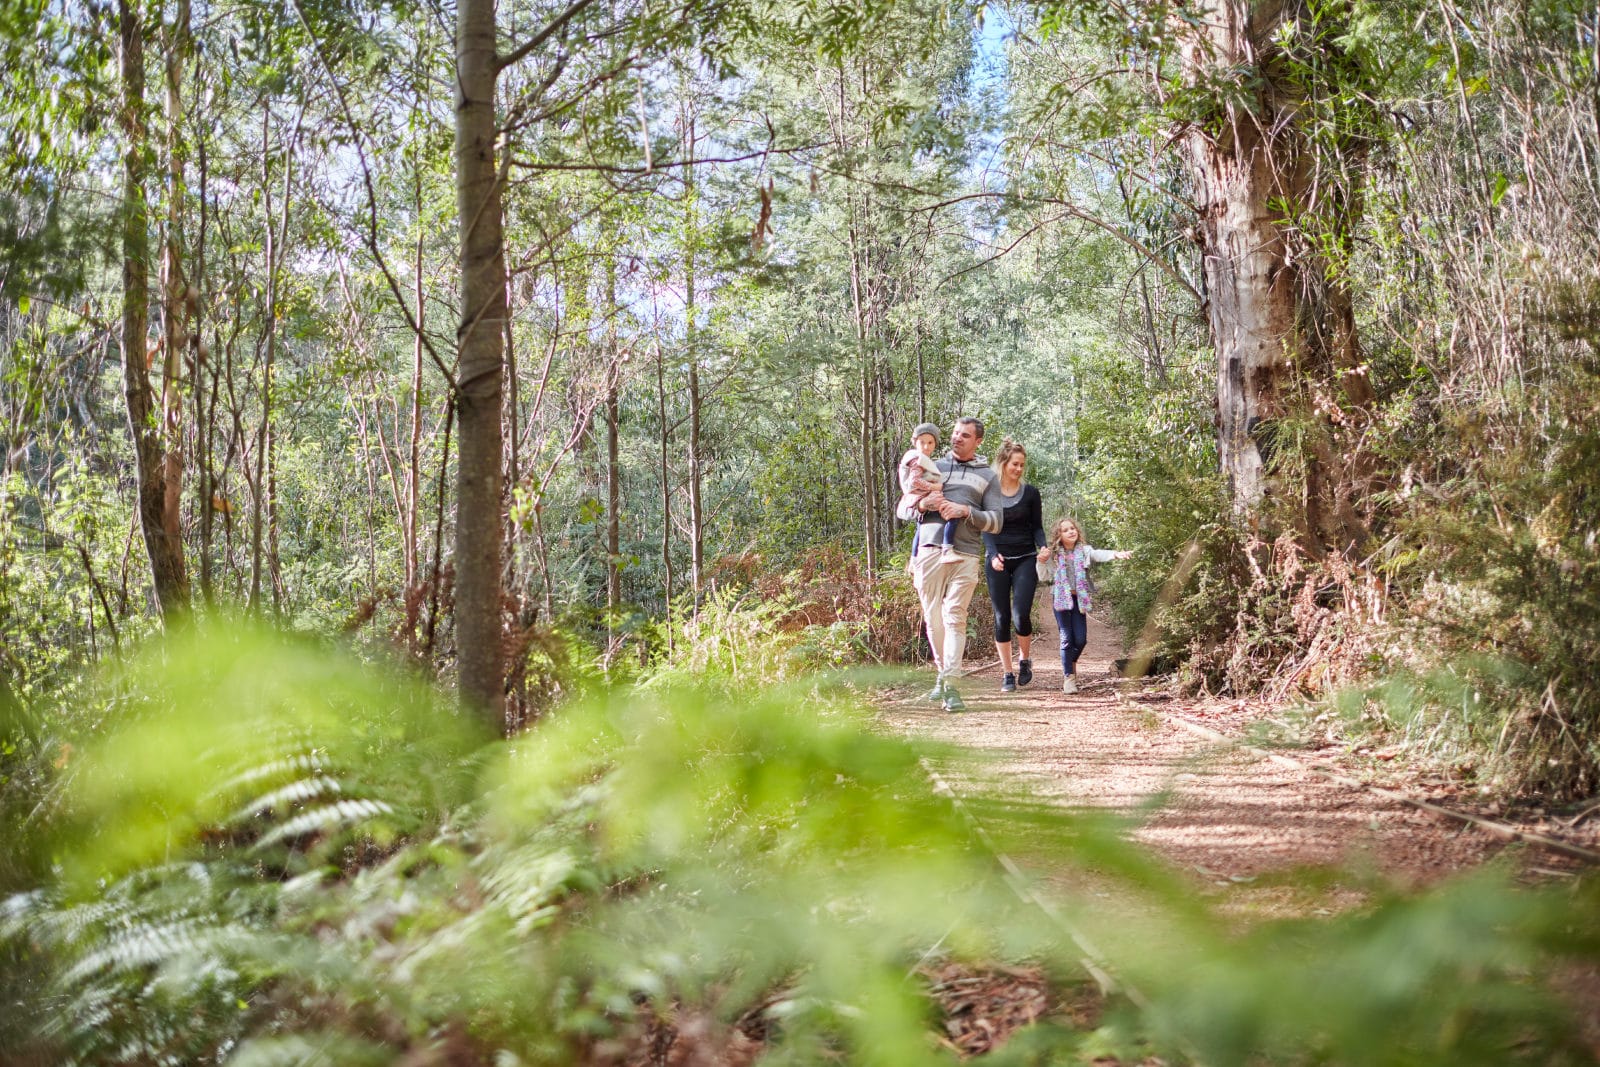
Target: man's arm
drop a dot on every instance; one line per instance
(990, 514)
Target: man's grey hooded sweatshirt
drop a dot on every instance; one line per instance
(974, 483)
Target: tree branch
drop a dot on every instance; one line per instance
(552, 27)
(370, 238)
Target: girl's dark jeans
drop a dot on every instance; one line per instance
(1011, 593)
(1074, 635)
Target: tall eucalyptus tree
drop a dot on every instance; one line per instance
(1270, 114)
(574, 64)
(1277, 307)
(157, 435)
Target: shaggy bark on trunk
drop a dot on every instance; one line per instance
(1280, 319)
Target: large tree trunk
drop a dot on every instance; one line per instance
(1251, 306)
(1239, 170)
(1280, 321)
(480, 338)
(158, 501)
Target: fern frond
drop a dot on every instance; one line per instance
(143, 946)
(308, 762)
(336, 816)
(527, 883)
(299, 791)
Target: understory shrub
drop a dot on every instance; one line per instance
(1495, 659)
(833, 613)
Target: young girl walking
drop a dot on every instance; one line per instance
(1074, 593)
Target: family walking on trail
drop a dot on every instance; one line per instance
(971, 517)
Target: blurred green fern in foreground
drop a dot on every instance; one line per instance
(264, 852)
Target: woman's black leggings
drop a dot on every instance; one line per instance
(1011, 593)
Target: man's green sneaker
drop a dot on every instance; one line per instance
(952, 700)
(936, 694)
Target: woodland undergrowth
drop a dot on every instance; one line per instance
(1464, 634)
(252, 849)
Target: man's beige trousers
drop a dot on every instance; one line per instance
(945, 590)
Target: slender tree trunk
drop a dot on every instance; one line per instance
(269, 343)
(441, 492)
(666, 484)
(922, 375)
(157, 519)
(866, 371)
(358, 408)
(613, 453)
(264, 525)
(697, 546)
(516, 599)
(697, 522)
(412, 509)
(205, 402)
(236, 438)
(889, 448)
(177, 303)
(480, 339)
(869, 484)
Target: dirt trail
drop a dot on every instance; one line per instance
(1227, 819)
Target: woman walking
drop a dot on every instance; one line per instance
(1074, 595)
(1012, 566)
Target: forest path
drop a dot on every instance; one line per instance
(1223, 817)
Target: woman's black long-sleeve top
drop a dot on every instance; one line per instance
(1023, 532)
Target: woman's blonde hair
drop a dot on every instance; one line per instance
(1055, 531)
(1008, 448)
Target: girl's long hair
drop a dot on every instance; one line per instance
(1055, 532)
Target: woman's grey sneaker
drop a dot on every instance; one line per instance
(1025, 672)
(936, 695)
(1068, 685)
(952, 700)
(1008, 684)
